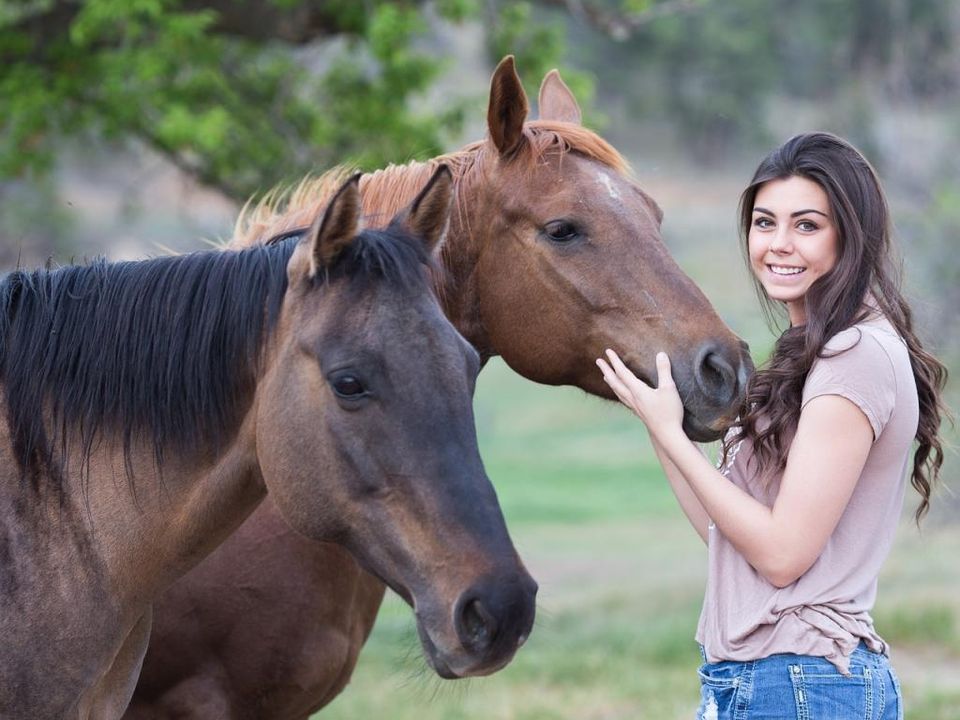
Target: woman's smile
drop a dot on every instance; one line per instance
(785, 270)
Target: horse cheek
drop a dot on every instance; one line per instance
(290, 424)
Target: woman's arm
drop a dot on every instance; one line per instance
(825, 460)
(685, 496)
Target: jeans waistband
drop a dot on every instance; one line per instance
(861, 652)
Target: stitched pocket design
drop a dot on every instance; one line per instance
(823, 694)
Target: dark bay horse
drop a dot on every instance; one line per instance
(553, 254)
(149, 406)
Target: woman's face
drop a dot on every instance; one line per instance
(792, 240)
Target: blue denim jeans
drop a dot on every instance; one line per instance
(801, 687)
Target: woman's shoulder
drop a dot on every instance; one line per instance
(871, 347)
(863, 363)
(874, 338)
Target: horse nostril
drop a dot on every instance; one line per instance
(715, 376)
(478, 628)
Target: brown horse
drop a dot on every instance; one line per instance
(149, 406)
(553, 254)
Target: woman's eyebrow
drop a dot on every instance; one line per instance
(793, 214)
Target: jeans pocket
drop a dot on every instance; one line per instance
(823, 693)
(719, 683)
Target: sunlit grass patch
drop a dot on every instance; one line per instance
(933, 706)
(912, 625)
(602, 663)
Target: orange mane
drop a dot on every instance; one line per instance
(387, 191)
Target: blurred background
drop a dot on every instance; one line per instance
(131, 128)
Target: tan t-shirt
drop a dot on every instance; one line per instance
(826, 612)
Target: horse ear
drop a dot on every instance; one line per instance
(428, 215)
(336, 227)
(556, 102)
(508, 108)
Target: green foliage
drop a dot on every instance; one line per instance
(243, 114)
(711, 71)
(238, 114)
(535, 46)
(537, 39)
(458, 10)
(147, 70)
(714, 77)
(364, 117)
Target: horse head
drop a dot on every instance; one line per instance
(571, 261)
(365, 430)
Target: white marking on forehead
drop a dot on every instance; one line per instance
(605, 180)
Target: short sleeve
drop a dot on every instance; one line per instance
(855, 366)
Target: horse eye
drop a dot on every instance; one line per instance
(561, 231)
(349, 387)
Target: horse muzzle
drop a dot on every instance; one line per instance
(484, 628)
(713, 390)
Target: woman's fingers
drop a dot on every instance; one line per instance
(615, 383)
(664, 372)
(654, 406)
(625, 385)
(617, 364)
(631, 381)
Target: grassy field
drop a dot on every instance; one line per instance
(621, 580)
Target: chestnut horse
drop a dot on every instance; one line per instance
(553, 254)
(149, 406)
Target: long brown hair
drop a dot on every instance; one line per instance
(834, 302)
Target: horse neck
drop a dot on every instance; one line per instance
(96, 479)
(157, 529)
(138, 535)
(386, 192)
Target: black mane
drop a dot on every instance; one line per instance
(167, 349)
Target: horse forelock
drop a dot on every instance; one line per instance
(548, 136)
(389, 255)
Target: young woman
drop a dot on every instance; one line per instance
(802, 512)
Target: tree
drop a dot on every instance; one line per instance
(192, 81)
(218, 87)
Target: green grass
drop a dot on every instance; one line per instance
(935, 706)
(920, 625)
(621, 581)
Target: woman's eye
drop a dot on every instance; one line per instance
(763, 223)
(349, 387)
(806, 226)
(561, 231)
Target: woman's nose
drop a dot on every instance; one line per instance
(780, 242)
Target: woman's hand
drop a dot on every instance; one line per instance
(660, 408)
